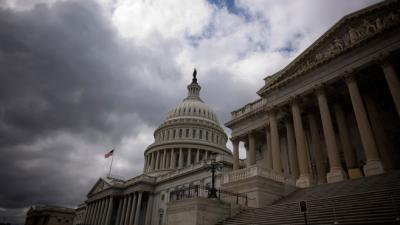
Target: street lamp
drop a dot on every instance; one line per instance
(213, 166)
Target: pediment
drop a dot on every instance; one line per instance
(100, 185)
(350, 32)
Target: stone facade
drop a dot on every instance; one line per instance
(49, 215)
(334, 110)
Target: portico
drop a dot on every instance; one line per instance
(333, 111)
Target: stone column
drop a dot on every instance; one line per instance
(163, 156)
(100, 211)
(344, 135)
(88, 213)
(374, 164)
(336, 172)
(235, 144)
(269, 148)
(180, 163)
(133, 210)
(189, 157)
(153, 164)
(393, 82)
(198, 156)
(158, 160)
(149, 207)
(139, 204)
(206, 154)
(123, 212)
(104, 211)
(128, 210)
(252, 149)
(172, 164)
(304, 179)
(96, 212)
(317, 149)
(291, 147)
(119, 211)
(276, 148)
(164, 159)
(109, 210)
(385, 147)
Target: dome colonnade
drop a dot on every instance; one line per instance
(190, 133)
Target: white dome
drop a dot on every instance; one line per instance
(192, 108)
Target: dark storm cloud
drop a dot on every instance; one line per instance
(65, 75)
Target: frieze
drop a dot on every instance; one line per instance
(347, 34)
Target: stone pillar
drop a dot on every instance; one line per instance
(180, 163)
(393, 82)
(172, 164)
(150, 206)
(269, 148)
(374, 164)
(139, 204)
(276, 148)
(317, 149)
(128, 210)
(336, 172)
(123, 212)
(197, 155)
(189, 157)
(344, 135)
(163, 157)
(206, 154)
(158, 160)
(96, 212)
(235, 144)
(119, 211)
(88, 213)
(385, 147)
(167, 159)
(304, 179)
(133, 210)
(153, 163)
(291, 147)
(252, 149)
(109, 210)
(104, 211)
(101, 203)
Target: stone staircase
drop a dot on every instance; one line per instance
(368, 200)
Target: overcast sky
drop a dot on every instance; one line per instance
(80, 77)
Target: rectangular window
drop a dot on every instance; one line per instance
(201, 134)
(180, 133)
(187, 133)
(174, 134)
(194, 133)
(207, 135)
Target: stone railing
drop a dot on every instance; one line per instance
(253, 171)
(251, 107)
(199, 165)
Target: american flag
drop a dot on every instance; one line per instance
(108, 154)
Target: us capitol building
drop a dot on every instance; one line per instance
(325, 131)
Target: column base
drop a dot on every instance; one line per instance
(336, 175)
(303, 181)
(373, 167)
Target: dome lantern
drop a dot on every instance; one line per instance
(194, 88)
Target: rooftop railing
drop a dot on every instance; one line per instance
(251, 107)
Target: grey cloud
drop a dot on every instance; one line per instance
(65, 70)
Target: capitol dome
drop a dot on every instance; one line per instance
(189, 134)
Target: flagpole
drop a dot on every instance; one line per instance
(112, 158)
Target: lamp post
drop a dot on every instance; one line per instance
(213, 166)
